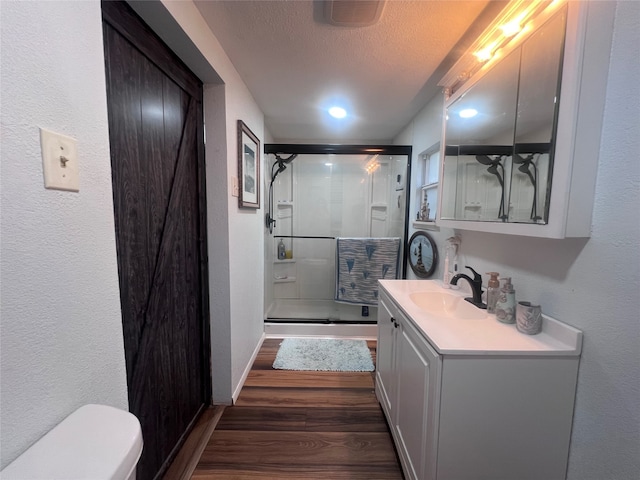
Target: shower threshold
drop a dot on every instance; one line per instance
(319, 311)
(321, 321)
(279, 328)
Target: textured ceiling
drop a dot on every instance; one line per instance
(295, 64)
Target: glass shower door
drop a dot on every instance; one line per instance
(317, 199)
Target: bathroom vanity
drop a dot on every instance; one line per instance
(467, 397)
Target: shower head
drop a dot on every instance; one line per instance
(519, 159)
(285, 161)
(485, 160)
(278, 167)
(281, 164)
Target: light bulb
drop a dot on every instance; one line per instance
(511, 28)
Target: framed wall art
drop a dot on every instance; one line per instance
(248, 167)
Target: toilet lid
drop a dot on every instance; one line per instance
(95, 442)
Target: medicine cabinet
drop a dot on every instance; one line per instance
(521, 136)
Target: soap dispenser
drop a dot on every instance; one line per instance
(450, 256)
(493, 289)
(282, 252)
(506, 304)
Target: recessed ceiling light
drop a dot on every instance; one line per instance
(328, 164)
(337, 112)
(468, 113)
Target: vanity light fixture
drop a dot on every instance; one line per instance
(337, 112)
(508, 27)
(502, 31)
(512, 27)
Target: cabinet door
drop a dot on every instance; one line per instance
(385, 378)
(417, 389)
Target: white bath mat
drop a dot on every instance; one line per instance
(324, 354)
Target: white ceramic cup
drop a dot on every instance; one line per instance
(528, 318)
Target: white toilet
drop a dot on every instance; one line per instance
(95, 442)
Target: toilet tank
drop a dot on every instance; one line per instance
(95, 442)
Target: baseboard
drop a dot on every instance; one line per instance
(333, 330)
(245, 374)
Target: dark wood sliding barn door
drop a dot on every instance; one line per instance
(157, 161)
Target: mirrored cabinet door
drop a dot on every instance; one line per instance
(538, 99)
(480, 127)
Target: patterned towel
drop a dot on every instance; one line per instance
(360, 263)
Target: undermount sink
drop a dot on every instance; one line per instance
(445, 304)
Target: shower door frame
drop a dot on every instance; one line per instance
(319, 149)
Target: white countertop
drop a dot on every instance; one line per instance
(486, 336)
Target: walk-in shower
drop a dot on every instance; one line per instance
(317, 194)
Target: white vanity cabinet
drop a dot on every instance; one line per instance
(407, 394)
(385, 351)
(472, 408)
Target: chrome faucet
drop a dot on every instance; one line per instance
(476, 287)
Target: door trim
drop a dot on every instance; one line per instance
(126, 22)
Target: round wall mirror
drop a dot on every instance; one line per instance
(423, 254)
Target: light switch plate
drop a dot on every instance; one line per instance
(59, 161)
(234, 187)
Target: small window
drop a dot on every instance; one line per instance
(428, 186)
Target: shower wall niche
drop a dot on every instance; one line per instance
(317, 198)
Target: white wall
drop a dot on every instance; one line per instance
(424, 131)
(593, 283)
(236, 255)
(61, 330)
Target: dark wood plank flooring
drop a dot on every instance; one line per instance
(301, 425)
